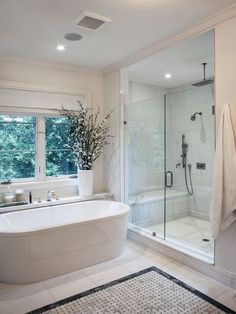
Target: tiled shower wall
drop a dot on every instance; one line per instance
(199, 135)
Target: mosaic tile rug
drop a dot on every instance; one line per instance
(148, 291)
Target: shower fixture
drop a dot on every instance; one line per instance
(193, 117)
(184, 151)
(204, 81)
(184, 147)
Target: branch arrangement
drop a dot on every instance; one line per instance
(87, 136)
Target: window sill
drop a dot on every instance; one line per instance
(38, 184)
(65, 200)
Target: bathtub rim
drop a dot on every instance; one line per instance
(47, 229)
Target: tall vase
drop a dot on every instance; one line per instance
(85, 182)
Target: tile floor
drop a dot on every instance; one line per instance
(188, 232)
(18, 299)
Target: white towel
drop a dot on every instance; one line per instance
(223, 203)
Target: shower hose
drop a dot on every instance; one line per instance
(189, 189)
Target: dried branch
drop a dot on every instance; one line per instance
(87, 136)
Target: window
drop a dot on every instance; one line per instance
(28, 145)
(17, 147)
(59, 160)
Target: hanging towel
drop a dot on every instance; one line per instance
(223, 203)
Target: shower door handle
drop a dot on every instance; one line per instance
(171, 179)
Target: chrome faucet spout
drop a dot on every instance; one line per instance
(50, 195)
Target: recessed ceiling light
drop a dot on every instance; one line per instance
(61, 48)
(168, 76)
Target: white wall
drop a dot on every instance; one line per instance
(111, 165)
(225, 71)
(21, 72)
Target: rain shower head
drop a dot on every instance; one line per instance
(193, 117)
(204, 81)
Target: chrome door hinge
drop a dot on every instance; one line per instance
(213, 110)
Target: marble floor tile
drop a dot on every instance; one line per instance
(132, 251)
(95, 269)
(11, 292)
(18, 299)
(71, 287)
(139, 263)
(228, 298)
(22, 303)
(63, 279)
(108, 275)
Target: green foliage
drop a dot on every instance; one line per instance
(59, 158)
(17, 147)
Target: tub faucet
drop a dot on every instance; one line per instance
(50, 195)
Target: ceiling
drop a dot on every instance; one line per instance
(32, 29)
(183, 61)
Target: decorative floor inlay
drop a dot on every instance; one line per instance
(148, 291)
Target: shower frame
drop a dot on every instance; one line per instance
(137, 230)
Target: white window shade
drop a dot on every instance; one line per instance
(38, 102)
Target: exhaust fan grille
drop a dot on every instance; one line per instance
(91, 23)
(90, 20)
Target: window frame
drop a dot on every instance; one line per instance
(40, 149)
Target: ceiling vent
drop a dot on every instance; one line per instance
(90, 20)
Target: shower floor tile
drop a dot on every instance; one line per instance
(188, 232)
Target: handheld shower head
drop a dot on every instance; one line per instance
(193, 117)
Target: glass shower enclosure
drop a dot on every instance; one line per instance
(169, 151)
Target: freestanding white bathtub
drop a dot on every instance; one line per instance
(40, 243)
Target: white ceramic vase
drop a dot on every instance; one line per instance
(85, 182)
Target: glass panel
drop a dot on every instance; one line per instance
(144, 164)
(59, 159)
(17, 147)
(189, 156)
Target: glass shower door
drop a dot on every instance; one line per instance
(144, 164)
(189, 159)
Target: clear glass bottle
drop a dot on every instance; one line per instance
(9, 196)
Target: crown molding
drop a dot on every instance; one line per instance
(192, 30)
(52, 65)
